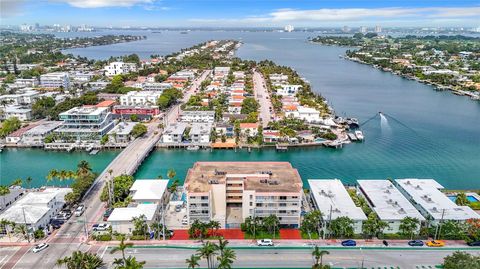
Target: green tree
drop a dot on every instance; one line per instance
(226, 259)
(461, 260)
(139, 130)
(140, 226)
(17, 182)
(81, 260)
(461, 199)
(311, 222)
(192, 262)
(9, 126)
(408, 226)
(318, 254)
(122, 246)
(271, 223)
(342, 227)
(249, 105)
(208, 251)
(373, 226)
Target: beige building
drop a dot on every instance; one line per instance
(229, 192)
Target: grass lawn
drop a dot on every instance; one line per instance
(313, 235)
(263, 235)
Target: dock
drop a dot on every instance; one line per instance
(281, 147)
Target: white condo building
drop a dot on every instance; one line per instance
(198, 116)
(135, 98)
(229, 192)
(388, 202)
(55, 80)
(332, 199)
(426, 196)
(119, 68)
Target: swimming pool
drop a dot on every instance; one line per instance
(470, 198)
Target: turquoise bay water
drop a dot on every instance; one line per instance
(427, 133)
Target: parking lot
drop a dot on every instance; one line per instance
(173, 219)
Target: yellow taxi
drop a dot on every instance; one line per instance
(436, 243)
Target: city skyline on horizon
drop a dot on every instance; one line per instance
(242, 13)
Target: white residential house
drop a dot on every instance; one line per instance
(200, 133)
(36, 208)
(174, 133)
(119, 68)
(156, 86)
(135, 98)
(305, 113)
(121, 218)
(121, 133)
(55, 80)
(145, 191)
(288, 90)
(198, 116)
(36, 135)
(332, 199)
(20, 112)
(388, 203)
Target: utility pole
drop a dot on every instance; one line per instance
(439, 226)
(26, 227)
(163, 221)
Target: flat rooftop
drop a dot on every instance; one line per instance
(387, 201)
(128, 213)
(149, 189)
(331, 197)
(279, 176)
(426, 193)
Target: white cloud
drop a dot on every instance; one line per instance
(104, 3)
(352, 15)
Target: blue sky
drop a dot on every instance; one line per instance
(244, 13)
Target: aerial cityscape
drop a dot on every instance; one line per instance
(239, 134)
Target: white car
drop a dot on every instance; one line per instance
(101, 227)
(265, 243)
(79, 211)
(185, 220)
(40, 247)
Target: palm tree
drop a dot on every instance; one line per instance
(171, 173)
(121, 247)
(208, 251)
(83, 168)
(318, 256)
(213, 224)
(193, 261)
(17, 182)
(226, 259)
(222, 245)
(174, 186)
(22, 230)
(409, 225)
(4, 190)
(29, 181)
(140, 225)
(271, 222)
(7, 226)
(129, 263)
(52, 175)
(81, 260)
(461, 199)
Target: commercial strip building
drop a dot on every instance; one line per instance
(121, 218)
(229, 192)
(427, 198)
(332, 199)
(388, 203)
(36, 208)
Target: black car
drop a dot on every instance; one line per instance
(415, 243)
(474, 244)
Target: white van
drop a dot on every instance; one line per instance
(79, 210)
